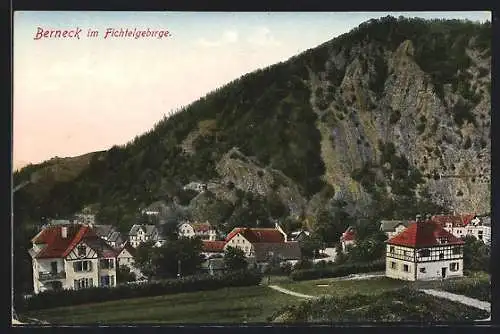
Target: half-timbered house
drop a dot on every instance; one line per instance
(424, 251)
(71, 257)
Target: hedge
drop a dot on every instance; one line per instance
(51, 299)
(337, 270)
(475, 288)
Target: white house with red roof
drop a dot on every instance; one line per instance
(348, 239)
(424, 251)
(259, 244)
(203, 230)
(71, 257)
(464, 225)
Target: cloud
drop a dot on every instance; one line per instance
(228, 37)
(262, 36)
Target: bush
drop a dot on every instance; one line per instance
(475, 288)
(303, 264)
(337, 270)
(51, 299)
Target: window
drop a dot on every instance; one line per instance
(82, 266)
(406, 268)
(457, 250)
(454, 266)
(107, 280)
(391, 249)
(422, 270)
(393, 265)
(441, 256)
(82, 251)
(53, 267)
(107, 264)
(83, 283)
(424, 252)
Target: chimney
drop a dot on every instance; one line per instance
(64, 232)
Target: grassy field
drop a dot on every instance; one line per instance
(229, 305)
(331, 286)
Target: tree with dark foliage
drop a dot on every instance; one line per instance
(234, 259)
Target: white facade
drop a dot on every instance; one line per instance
(239, 241)
(480, 232)
(188, 230)
(82, 268)
(412, 264)
(124, 258)
(141, 235)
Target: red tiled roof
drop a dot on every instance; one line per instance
(348, 235)
(456, 220)
(201, 227)
(213, 246)
(56, 245)
(424, 234)
(255, 235)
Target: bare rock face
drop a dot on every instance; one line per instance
(454, 156)
(246, 174)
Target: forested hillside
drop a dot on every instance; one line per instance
(390, 119)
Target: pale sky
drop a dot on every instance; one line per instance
(76, 96)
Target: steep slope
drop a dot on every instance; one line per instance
(393, 111)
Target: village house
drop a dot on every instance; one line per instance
(424, 251)
(71, 257)
(393, 227)
(298, 235)
(109, 233)
(348, 239)
(213, 252)
(125, 257)
(260, 244)
(464, 225)
(203, 230)
(213, 248)
(143, 233)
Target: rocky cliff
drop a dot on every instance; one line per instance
(395, 110)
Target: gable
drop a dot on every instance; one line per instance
(75, 254)
(124, 254)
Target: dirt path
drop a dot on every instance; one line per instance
(485, 306)
(291, 293)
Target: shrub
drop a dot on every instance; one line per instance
(303, 265)
(50, 299)
(475, 288)
(337, 270)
